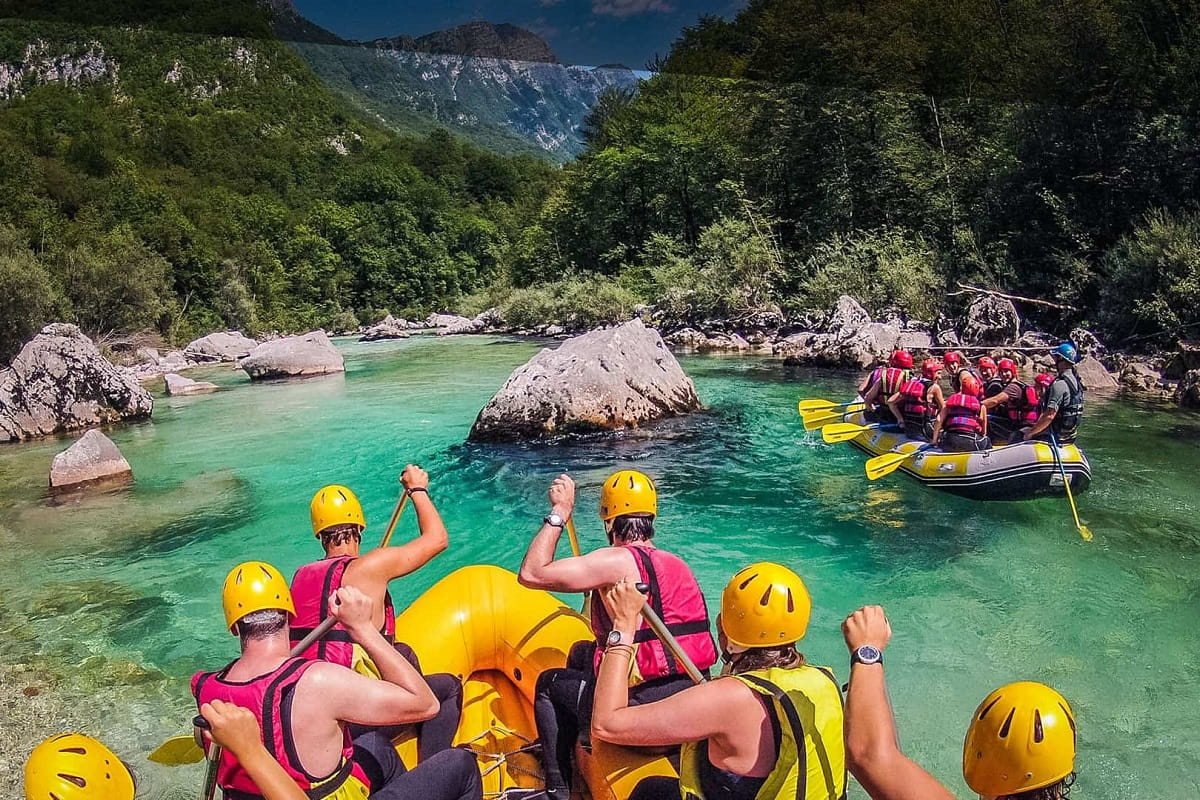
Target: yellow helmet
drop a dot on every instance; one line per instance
(1021, 738)
(254, 586)
(72, 766)
(627, 492)
(335, 505)
(765, 605)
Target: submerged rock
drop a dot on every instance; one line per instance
(221, 346)
(606, 379)
(177, 385)
(293, 357)
(60, 382)
(91, 460)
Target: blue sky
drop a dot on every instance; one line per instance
(590, 32)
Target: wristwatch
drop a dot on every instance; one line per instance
(554, 520)
(867, 654)
(615, 637)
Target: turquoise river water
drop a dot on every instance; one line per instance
(108, 604)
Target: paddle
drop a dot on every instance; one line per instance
(887, 463)
(668, 639)
(396, 512)
(808, 406)
(1083, 529)
(575, 551)
(845, 431)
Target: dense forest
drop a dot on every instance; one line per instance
(180, 179)
(194, 174)
(893, 149)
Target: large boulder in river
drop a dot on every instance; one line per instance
(179, 386)
(60, 382)
(221, 346)
(1094, 376)
(387, 328)
(91, 460)
(990, 321)
(294, 357)
(1187, 393)
(848, 338)
(607, 379)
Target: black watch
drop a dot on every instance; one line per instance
(554, 520)
(867, 654)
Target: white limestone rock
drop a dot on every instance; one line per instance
(93, 459)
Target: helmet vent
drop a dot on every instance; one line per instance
(742, 586)
(1070, 719)
(75, 779)
(53, 796)
(1007, 723)
(342, 495)
(766, 598)
(988, 708)
(791, 602)
(79, 751)
(1038, 733)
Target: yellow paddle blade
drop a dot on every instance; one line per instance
(842, 432)
(177, 751)
(887, 463)
(818, 405)
(820, 421)
(1085, 532)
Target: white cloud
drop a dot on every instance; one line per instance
(630, 8)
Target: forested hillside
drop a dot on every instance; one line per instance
(893, 149)
(173, 166)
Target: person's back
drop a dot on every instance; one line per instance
(918, 401)
(1061, 407)
(961, 426)
(883, 383)
(771, 727)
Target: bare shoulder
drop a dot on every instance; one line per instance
(611, 563)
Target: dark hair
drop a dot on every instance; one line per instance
(337, 535)
(633, 527)
(782, 657)
(1059, 790)
(261, 624)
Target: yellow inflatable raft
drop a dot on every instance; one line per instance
(480, 624)
(1011, 472)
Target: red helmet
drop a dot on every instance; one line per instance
(986, 363)
(901, 359)
(968, 384)
(953, 357)
(1044, 380)
(930, 368)
(1008, 364)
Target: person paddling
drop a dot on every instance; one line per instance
(883, 383)
(563, 697)
(769, 729)
(338, 521)
(1020, 744)
(1061, 407)
(961, 425)
(304, 707)
(919, 401)
(1016, 406)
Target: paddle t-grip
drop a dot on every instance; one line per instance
(200, 722)
(644, 588)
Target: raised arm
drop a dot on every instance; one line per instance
(873, 752)
(373, 571)
(236, 729)
(401, 694)
(540, 569)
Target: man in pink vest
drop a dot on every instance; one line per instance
(563, 697)
(338, 521)
(304, 708)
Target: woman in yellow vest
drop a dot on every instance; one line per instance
(769, 729)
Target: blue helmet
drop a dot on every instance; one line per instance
(1067, 352)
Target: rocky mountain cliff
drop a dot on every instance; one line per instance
(480, 39)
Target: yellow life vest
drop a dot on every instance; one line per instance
(807, 705)
(350, 788)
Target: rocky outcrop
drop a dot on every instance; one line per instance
(454, 325)
(1185, 359)
(607, 379)
(60, 382)
(478, 39)
(990, 321)
(179, 386)
(848, 338)
(387, 328)
(1187, 393)
(1142, 376)
(1094, 376)
(221, 346)
(294, 357)
(93, 459)
(151, 370)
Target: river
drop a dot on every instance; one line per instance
(108, 604)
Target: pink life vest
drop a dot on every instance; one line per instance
(1025, 409)
(311, 586)
(269, 698)
(676, 596)
(914, 406)
(962, 414)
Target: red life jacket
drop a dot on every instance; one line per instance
(675, 595)
(1025, 409)
(269, 698)
(891, 380)
(311, 586)
(913, 405)
(962, 414)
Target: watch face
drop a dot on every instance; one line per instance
(555, 520)
(614, 637)
(868, 654)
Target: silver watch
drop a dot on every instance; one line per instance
(554, 520)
